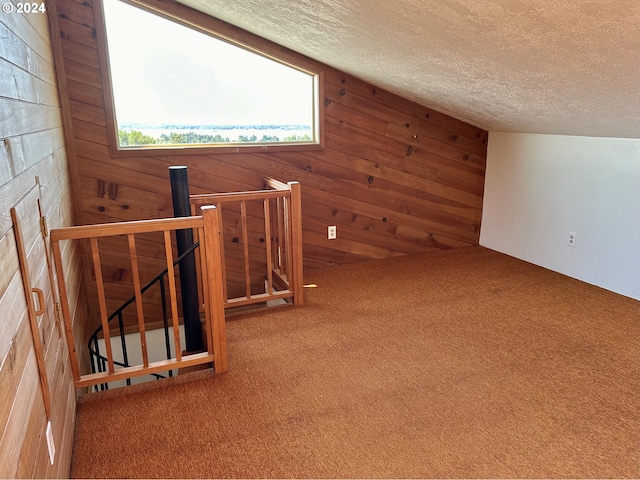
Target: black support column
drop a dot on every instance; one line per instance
(187, 268)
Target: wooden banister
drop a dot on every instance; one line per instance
(209, 232)
(281, 207)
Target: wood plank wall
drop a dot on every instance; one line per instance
(32, 144)
(395, 177)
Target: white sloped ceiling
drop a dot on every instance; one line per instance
(538, 66)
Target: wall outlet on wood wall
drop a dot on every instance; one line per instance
(331, 232)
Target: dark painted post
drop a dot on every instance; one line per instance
(188, 278)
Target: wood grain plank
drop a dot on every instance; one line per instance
(18, 118)
(81, 73)
(14, 430)
(411, 109)
(77, 32)
(12, 301)
(24, 47)
(86, 55)
(79, 13)
(85, 93)
(19, 84)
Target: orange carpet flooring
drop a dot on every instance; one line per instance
(459, 364)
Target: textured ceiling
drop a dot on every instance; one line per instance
(538, 66)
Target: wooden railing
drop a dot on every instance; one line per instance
(208, 228)
(280, 205)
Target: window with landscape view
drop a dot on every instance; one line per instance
(177, 87)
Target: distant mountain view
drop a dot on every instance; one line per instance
(132, 134)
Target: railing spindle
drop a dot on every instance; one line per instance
(286, 222)
(165, 318)
(280, 238)
(139, 307)
(95, 254)
(245, 247)
(206, 291)
(267, 237)
(172, 293)
(123, 343)
(224, 268)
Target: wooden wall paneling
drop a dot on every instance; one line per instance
(57, 199)
(10, 263)
(27, 398)
(34, 433)
(397, 120)
(391, 243)
(66, 442)
(317, 256)
(19, 84)
(340, 96)
(73, 31)
(344, 217)
(18, 118)
(84, 93)
(115, 174)
(24, 47)
(113, 211)
(409, 108)
(81, 73)
(386, 215)
(12, 301)
(367, 250)
(88, 113)
(81, 53)
(90, 132)
(12, 367)
(22, 182)
(38, 145)
(81, 13)
(396, 147)
(376, 189)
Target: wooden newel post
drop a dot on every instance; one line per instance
(215, 297)
(296, 242)
(188, 274)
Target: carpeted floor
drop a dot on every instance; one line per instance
(464, 364)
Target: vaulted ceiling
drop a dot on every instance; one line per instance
(567, 67)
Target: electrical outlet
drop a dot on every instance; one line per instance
(50, 444)
(331, 232)
(571, 239)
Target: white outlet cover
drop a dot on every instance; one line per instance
(50, 444)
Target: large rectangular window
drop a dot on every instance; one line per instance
(176, 87)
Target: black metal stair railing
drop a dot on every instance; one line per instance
(99, 361)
